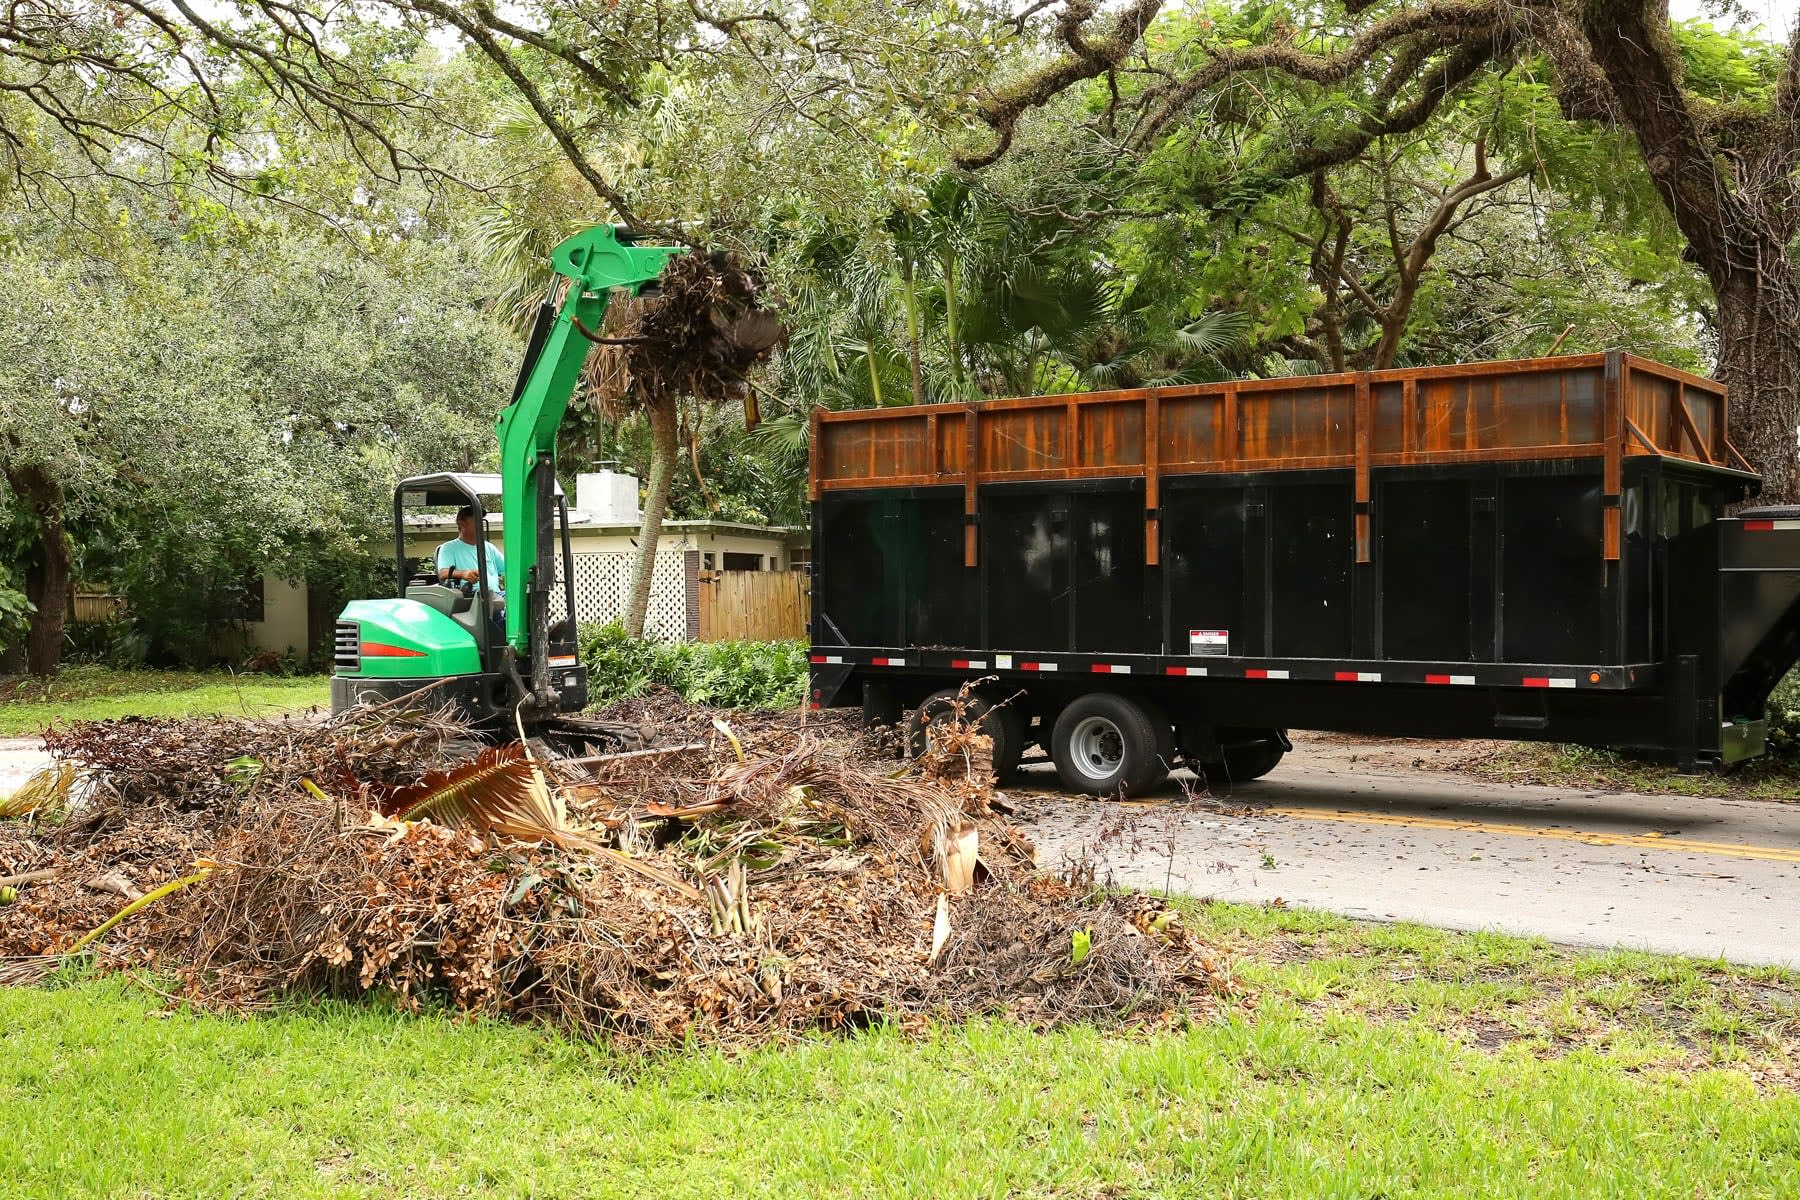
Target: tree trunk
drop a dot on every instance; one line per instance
(1733, 209)
(952, 323)
(910, 293)
(664, 448)
(47, 583)
(1759, 360)
(874, 374)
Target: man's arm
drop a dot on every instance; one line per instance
(446, 570)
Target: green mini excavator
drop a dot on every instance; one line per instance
(450, 636)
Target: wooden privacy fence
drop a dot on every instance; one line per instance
(754, 605)
(96, 608)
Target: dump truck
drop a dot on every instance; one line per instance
(1134, 580)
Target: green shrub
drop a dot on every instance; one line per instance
(1784, 719)
(618, 666)
(734, 675)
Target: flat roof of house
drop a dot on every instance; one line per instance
(580, 523)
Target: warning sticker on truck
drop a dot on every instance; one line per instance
(1209, 641)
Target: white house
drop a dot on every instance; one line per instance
(603, 530)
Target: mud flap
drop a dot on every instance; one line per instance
(828, 680)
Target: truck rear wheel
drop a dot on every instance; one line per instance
(1105, 744)
(1003, 723)
(1243, 762)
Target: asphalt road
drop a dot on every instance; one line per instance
(1382, 841)
(1714, 878)
(19, 758)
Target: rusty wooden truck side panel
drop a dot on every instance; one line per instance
(1601, 406)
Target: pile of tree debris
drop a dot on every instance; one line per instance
(737, 884)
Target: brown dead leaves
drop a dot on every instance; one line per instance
(799, 887)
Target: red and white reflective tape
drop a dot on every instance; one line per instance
(1540, 681)
(1037, 666)
(1769, 526)
(887, 662)
(828, 658)
(1459, 680)
(1184, 670)
(1358, 676)
(1110, 669)
(1260, 673)
(969, 664)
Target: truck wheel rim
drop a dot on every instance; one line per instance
(1096, 747)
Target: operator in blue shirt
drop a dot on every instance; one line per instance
(457, 559)
(457, 563)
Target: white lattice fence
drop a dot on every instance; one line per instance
(603, 584)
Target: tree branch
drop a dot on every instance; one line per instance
(483, 39)
(1090, 59)
(1472, 30)
(1641, 69)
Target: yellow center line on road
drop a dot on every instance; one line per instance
(1642, 841)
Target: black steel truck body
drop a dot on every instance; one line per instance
(1533, 549)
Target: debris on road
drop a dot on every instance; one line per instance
(743, 880)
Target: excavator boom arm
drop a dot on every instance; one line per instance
(589, 266)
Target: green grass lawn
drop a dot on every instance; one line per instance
(97, 693)
(1365, 1065)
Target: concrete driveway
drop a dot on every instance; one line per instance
(1381, 841)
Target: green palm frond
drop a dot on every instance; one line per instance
(789, 434)
(1103, 375)
(1275, 366)
(518, 254)
(1214, 332)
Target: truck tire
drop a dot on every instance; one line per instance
(1243, 763)
(1105, 745)
(1002, 723)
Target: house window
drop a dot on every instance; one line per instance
(742, 562)
(707, 560)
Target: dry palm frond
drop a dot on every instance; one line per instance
(503, 792)
(44, 794)
(956, 845)
(24, 970)
(498, 791)
(940, 928)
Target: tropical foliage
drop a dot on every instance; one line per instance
(261, 261)
(734, 675)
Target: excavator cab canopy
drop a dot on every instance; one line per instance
(473, 605)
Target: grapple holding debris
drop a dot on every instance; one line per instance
(737, 882)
